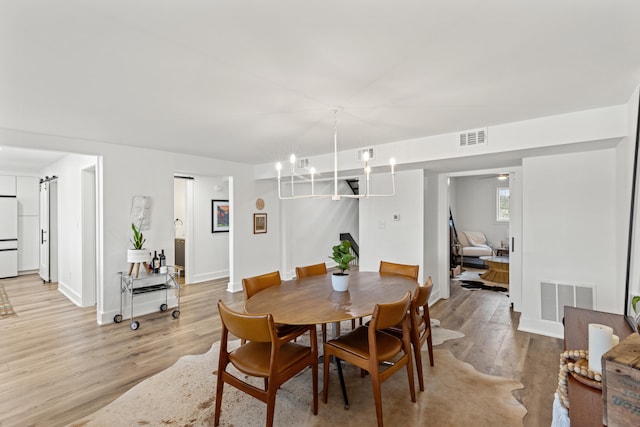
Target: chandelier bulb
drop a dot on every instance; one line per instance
(365, 155)
(278, 166)
(292, 158)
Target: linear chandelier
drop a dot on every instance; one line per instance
(335, 195)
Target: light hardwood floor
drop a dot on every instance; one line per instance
(57, 364)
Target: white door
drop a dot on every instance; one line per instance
(44, 232)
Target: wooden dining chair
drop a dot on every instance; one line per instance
(400, 269)
(367, 347)
(253, 285)
(316, 270)
(311, 270)
(420, 331)
(266, 355)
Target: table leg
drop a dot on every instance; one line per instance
(336, 334)
(342, 385)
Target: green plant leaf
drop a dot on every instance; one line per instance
(138, 238)
(634, 302)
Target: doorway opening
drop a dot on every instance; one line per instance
(471, 199)
(89, 236)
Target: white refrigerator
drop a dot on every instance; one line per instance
(8, 236)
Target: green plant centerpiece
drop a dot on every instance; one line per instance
(342, 256)
(137, 255)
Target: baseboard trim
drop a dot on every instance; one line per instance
(541, 327)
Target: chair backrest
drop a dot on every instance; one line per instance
(387, 315)
(253, 285)
(400, 269)
(250, 327)
(422, 293)
(311, 270)
(421, 299)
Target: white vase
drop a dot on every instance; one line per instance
(137, 255)
(340, 282)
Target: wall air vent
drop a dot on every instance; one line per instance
(372, 154)
(473, 137)
(302, 163)
(555, 296)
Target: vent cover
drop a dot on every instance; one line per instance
(302, 163)
(555, 296)
(372, 154)
(473, 137)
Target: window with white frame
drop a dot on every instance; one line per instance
(502, 204)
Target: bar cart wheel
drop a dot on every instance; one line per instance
(175, 314)
(135, 325)
(117, 318)
(163, 307)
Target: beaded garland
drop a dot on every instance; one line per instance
(567, 364)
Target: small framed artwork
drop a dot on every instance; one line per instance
(259, 223)
(219, 216)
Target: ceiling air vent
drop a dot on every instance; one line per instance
(302, 163)
(473, 137)
(370, 150)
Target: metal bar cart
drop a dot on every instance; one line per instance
(132, 286)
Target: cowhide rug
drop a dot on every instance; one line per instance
(184, 395)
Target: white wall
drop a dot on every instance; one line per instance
(435, 224)
(210, 256)
(253, 254)
(70, 255)
(382, 238)
(569, 230)
(311, 227)
(475, 207)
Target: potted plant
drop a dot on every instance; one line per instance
(341, 254)
(138, 254)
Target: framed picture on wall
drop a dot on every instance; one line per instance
(219, 216)
(259, 223)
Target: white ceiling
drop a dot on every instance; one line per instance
(251, 81)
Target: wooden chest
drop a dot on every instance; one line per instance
(621, 383)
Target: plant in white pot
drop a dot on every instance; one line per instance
(137, 255)
(341, 254)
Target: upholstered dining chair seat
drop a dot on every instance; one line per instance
(357, 342)
(254, 358)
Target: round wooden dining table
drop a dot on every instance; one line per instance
(312, 300)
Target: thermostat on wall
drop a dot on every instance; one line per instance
(396, 216)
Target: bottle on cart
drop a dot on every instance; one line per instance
(163, 259)
(155, 262)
